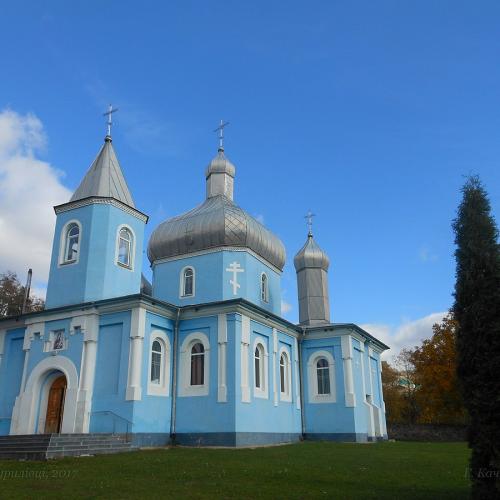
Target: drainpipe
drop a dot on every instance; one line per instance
(174, 378)
(301, 381)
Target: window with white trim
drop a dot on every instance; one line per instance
(187, 282)
(264, 288)
(260, 370)
(159, 364)
(71, 243)
(321, 377)
(194, 365)
(125, 245)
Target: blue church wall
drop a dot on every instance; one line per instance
(111, 412)
(152, 414)
(269, 416)
(95, 275)
(204, 414)
(328, 419)
(212, 280)
(11, 371)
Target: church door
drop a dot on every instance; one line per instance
(55, 406)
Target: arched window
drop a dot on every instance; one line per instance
(197, 364)
(284, 383)
(323, 376)
(187, 282)
(72, 243)
(156, 362)
(264, 289)
(258, 366)
(125, 242)
(159, 364)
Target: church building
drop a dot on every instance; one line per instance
(202, 356)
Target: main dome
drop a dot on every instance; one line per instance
(217, 222)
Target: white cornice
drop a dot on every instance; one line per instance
(103, 201)
(218, 249)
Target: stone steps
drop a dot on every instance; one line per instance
(44, 446)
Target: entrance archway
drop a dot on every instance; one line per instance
(55, 405)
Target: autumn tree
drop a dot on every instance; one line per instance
(393, 393)
(477, 311)
(437, 393)
(12, 296)
(404, 365)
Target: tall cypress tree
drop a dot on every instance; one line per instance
(477, 311)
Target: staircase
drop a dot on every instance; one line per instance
(46, 446)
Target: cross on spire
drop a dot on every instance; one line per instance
(309, 216)
(220, 129)
(108, 113)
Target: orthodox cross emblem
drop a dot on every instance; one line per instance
(220, 129)
(108, 113)
(235, 268)
(309, 216)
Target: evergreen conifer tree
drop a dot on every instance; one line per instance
(477, 311)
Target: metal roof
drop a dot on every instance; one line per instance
(311, 256)
(105, 178)
(217, 222)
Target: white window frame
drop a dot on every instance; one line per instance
(263, 390)
(64, 241)
(185, 387)
(163, 388)
(286, 395)
(182, 283)
(314, 397)
(132, 247)
(264, 292)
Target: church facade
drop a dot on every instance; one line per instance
(202, 356)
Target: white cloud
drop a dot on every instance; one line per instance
(285, 307)
(407, 334)
(29, 188)
(425, 255)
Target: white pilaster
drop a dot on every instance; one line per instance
(275, 353)
(222, 363)
(369, 407)
(296, 372)
(3, 334)
(245, 343)
(137, 329)
(89, 326)
(350, 397)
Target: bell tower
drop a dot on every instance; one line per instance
(98, 239)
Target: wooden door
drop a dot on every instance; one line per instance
(55, 406)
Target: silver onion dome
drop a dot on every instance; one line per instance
(311, 256)
(217, 222)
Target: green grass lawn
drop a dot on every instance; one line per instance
(305, 470)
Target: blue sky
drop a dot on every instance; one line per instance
(368, 113)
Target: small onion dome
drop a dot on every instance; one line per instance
(217, 222)
(220, 165)
(311, 256)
